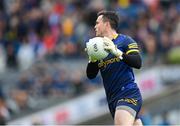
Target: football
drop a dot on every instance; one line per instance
(95, 48)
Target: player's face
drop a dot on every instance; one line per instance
(100, 26)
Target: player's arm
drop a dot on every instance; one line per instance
(132, 59)
(131, 56)
(92, 70)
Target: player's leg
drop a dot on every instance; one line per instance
(123, 117)
(138, 122)
(127, 108)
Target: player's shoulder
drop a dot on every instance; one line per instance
(124, 41)
(127, 40)
(130, 45)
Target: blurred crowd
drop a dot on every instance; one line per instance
(34, 31)
(41, 85)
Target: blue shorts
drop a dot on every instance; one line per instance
(130, 100)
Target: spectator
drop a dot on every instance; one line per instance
(4, 111)
(165, 120)
(26, 55)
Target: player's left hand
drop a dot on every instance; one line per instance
(110, 46)
(90, 58)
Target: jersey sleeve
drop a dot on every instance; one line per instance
(130, 46)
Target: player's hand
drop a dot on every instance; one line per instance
(90, 58)
(110, 46)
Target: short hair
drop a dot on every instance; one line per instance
(110, 16)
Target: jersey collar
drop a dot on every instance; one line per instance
(115, 36)
(115, 40)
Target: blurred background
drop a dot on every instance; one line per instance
(43, 63)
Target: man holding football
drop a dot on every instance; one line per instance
(123, 95)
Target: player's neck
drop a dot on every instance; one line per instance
(111, 34)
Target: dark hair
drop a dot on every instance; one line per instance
(110, 16)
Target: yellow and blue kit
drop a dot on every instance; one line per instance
(118, 78)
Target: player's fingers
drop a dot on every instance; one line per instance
(85, 50)
(90, 58)
(107, 47)
(106, 43)
(107, 39)
(121, 57)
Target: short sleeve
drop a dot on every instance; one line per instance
(130, 46)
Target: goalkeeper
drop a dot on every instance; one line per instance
(123, 95)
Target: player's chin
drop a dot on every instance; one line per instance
(98, 35)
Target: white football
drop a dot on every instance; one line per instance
(95, 48)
